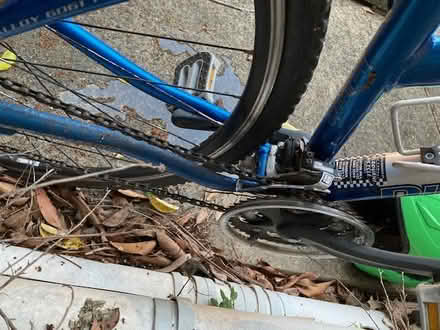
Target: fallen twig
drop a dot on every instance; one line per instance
(176, 264)
(14, 276)
(350, 293)
(72, 298)
(8, 321)
(70, 179)
(54, 237)
(68, 260)
(20, 192)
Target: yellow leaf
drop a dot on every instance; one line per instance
(46, 230)
(161, 205)
(4, 64)
(287, 125)
(74, 243)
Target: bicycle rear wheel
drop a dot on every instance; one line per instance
(288, 38)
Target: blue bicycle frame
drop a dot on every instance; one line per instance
(404, 52)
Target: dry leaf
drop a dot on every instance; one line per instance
(59, 200)
(242, 273)
(74, 243)
(265, 283)
(6, 187)
(217, 274)
(183, 219)
(288, 283)
(210, 196)
(159, 261)
(294, 279)
(24, 240)
(145, 232)
(96, 325)
(176, 264)
(17, 221)
(79, 202)
(3, 228)
(266, 268)
(119, 201)
(8, 179)
(329, 295)
(49, 211)
(314, 289)
(309, 275)
(117, 218)
(171, 248)
(19, 201)
(139, 219)
(47, 231)
(292, 291)
(132, 194)
(84, 210)
(140, 248)
(202, 216)
(182, 243)
(249, 272)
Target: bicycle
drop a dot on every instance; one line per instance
(278, 162)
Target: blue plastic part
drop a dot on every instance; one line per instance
(49, 124)
(105, 55)
(263, 155)
(405, 35)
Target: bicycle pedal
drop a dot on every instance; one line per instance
(428, 298)
(196, 75)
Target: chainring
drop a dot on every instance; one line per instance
(255, 223)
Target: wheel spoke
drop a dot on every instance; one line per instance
(107, 75)
(156, 36)
(179, 102)
(48, 91)
(89, 101)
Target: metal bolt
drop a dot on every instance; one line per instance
(429, 156)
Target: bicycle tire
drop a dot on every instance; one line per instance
(298, 45)
(304, 33)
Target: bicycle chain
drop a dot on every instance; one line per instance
(80, 113)
(117, 183)
(110, 123)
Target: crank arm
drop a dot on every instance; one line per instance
(349, 250)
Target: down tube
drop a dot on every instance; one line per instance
(17, 116)
(406, 29)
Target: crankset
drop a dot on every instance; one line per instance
(278, 224)
(256, 222)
